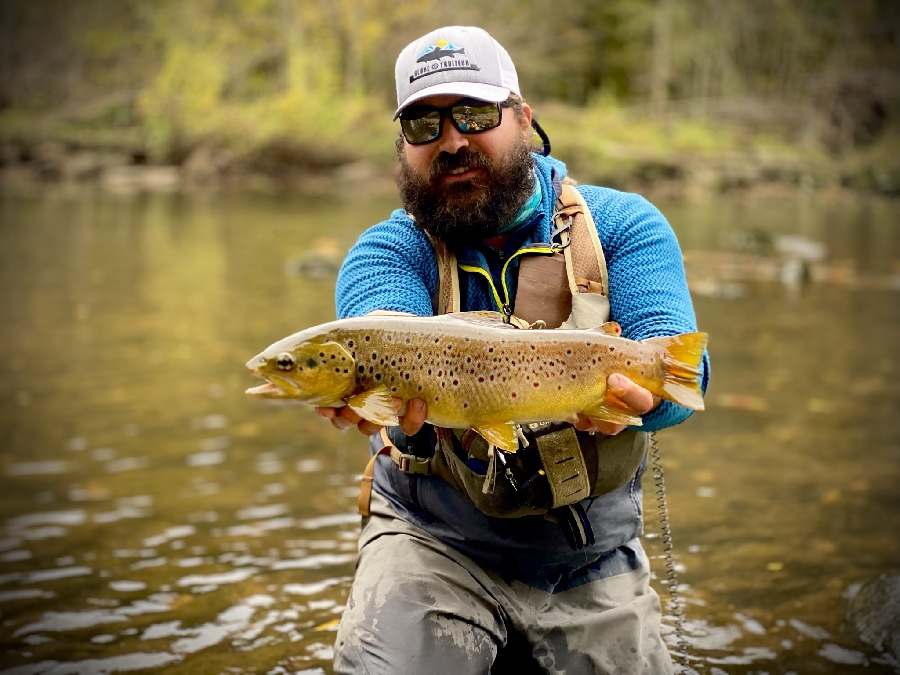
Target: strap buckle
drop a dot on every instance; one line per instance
(411, 463)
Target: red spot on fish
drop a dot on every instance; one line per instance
(612, 349)
(628, 363)
(466, 403)
(481, 379)
(420, 388)
(455, 383)
(436, 399)
(513, 394)
(536, 384)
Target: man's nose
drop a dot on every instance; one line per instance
(451, 141)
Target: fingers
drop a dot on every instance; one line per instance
(410, 422)
(590, 425)
(344, 418)
(416, 412)
(638, 399)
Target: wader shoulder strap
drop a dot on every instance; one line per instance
(585, 262)
(446, 296)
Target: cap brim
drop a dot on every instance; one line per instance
(483, 92)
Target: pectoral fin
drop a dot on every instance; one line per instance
(613, 409)
(503, 435)
(374, 405)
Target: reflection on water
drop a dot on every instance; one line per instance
(154, 518)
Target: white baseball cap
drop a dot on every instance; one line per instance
(460, 60)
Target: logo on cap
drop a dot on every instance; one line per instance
(441, 56)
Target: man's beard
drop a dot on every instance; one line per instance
(462, 213)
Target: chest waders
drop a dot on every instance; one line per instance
(562, 284)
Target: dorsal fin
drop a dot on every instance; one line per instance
(481, 318)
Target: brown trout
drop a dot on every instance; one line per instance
(474, 371)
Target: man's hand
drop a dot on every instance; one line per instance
(410, 422)
(638, 399)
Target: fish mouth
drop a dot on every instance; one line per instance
(267, 390)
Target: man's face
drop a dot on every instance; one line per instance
(463, 187)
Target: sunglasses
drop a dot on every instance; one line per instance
(424, 123)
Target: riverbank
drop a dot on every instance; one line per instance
(605, 145)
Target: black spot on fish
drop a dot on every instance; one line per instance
(362, 369)
(455, 383)
(378, 376)
(337, 370)
(389, 338)
(628, 363)
(322, 354)
(420, 388)
(393, 389)
(573, 376)
(569, 352)
(349, 343)
(368, 338)
(533, 347)
(490, 350)
(407, 340)
(465, 403)
(481, 379)
(436, 399)
(346, 371)
(468, 359)
(394, 362)
(612, 349)
(374, 355)
(371, 369)
(406, 376)
(437, 340)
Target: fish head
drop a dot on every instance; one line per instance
(309, 371)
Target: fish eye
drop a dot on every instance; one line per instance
(284, 361)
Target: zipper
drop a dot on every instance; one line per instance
(503, 303)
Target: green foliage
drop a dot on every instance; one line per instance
(667, 74)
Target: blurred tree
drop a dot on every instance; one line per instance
(249, 71)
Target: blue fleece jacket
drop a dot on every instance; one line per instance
(392, 267)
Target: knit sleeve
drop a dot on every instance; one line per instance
(648, 294)
(391, 267)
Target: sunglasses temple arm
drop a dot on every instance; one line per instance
(543, 134)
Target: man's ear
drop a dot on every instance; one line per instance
(525, 119)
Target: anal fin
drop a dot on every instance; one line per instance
(503, 435)
(613, 409)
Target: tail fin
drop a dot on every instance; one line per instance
(683, 355)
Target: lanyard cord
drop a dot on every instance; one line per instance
(503, 304)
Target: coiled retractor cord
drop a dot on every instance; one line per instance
(671, 580)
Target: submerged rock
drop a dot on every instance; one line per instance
(875, 614)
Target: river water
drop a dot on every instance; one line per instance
(152, 517)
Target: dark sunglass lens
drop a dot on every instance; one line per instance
(421, 128)
(472, 119)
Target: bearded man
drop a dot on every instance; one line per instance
(450, 578)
